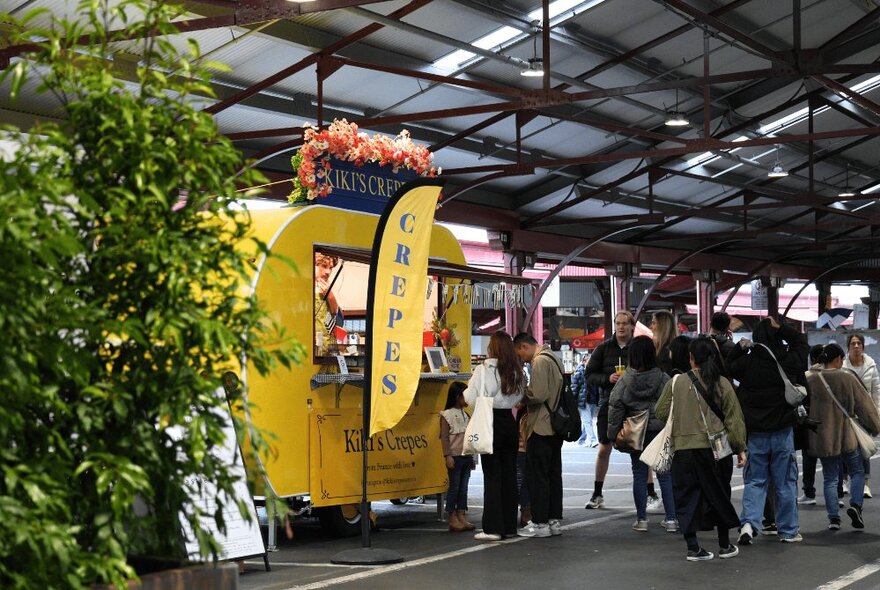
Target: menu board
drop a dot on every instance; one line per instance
(242, 538)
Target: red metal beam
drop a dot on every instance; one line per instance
(624, 57)
(490, 88)
(696, 145)
(470, 131)
(313, 59)
(726, 29)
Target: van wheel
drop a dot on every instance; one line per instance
(399, 501)
(341, 521)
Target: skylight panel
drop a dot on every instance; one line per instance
(499, 37)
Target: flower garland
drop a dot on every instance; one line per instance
(342, 141)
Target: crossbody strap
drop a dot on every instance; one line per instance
(558, 366)
(484, 390)
(705, 395)
(833, 397)
(782, 373)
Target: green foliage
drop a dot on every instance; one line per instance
(121, 302)
(300, 193)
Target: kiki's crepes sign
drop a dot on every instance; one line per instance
(401, 459)
(396, 302)
(363, 188)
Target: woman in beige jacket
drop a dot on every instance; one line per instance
(834, 438)
(703, 402)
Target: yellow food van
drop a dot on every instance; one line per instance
(314, 410)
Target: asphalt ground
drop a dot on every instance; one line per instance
(597, 549)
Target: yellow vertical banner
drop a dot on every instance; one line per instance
(396, 302)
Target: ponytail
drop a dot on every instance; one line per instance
(830, 352)
(706, 358)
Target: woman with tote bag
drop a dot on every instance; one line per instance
(702, 484)
(632, 401)
(501, 378)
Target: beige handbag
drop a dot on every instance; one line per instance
(631, 437)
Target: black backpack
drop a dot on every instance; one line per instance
(565, 419)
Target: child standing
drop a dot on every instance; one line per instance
(453, 421)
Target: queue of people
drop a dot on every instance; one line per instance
(722, 403)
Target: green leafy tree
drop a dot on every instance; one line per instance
(122, 300)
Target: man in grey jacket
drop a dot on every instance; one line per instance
(544, 447)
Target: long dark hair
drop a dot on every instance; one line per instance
(456, 388)
(510, 368)
(705, 355)
(641, 354)
(678, 349)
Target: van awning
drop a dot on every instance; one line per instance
(436, 266)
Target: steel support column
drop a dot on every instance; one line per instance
(705, 299)
(512, 315)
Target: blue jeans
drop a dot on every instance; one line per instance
(640, 489)
(459, 476)
(588, 432)
(771, 459)
(831, 467)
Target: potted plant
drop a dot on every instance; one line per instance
(121, 304)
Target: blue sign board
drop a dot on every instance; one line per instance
(364, 188)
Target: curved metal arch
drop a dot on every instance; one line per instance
(536, 298)
(669, 268)
(751, 276)
(813, 280)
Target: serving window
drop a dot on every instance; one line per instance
(340, 304)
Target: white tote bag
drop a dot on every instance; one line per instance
(478, 434)
(658, 454)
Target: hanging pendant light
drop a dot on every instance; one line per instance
(535, 68)
(676, 118)
(777, 170)
(847, 190)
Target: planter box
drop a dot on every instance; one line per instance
(221, 576)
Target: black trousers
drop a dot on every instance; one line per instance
(545, 477)
(702, 491)
(500, 498)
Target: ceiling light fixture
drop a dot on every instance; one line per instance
(776, 170)
(536, 64)
(535, 69)
(847, 190)
(676, 118)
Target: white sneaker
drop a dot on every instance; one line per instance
(671, 526)
(481, 536)
(746, 534)
(595, 503)
(534, 530)
(868, 491)
(796, 538)
(555, 527)
(655, 505)
(640, 525)
(806, 500)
